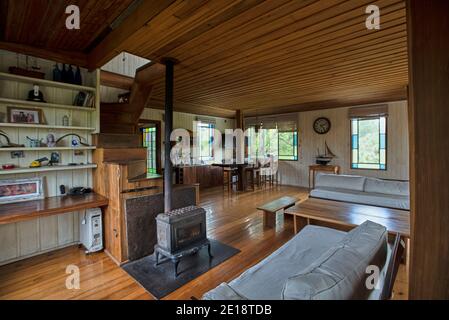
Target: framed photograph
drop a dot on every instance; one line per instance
(22, 115)
(21, 190)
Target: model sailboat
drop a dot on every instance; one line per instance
(324, 159)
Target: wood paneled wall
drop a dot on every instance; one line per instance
(429, 95)
(338, 139)
(24, 239)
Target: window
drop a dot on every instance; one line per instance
(288, 145)
(283, 144)
(149, 142)
(205, 133)
(369, 143)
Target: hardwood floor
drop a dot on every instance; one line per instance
(233, 220)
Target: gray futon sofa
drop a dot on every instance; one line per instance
(364, 190)
(318, 263)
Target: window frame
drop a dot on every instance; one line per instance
(211, 127)
(278, 155)
(146, 123)
(351, 142)
(297, 145)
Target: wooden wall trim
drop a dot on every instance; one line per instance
(75, 58)
(115, 80)
(428, 28)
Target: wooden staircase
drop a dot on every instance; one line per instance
(123, 118)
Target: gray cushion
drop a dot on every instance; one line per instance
(374, 199)
(339, 274)
(340, 181)
(265, 280)
(223, 292)
(399, 188)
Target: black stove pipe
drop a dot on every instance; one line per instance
(168, 166)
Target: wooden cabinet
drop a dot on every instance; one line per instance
(118, 180)
(206, 176)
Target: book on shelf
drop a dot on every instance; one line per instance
(84, 99)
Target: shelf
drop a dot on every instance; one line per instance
(34, 104)
(23, 211)
(47, 169)
(46, 149)
(45, 126)
(13, 77)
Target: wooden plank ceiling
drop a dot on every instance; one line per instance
(41, 23)
(260, 56)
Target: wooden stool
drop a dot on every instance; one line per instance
(250, 177)
(268, 176)
(257, 176)
(228, 175)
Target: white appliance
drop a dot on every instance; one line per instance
(91, 230)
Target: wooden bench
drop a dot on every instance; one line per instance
(270, 209)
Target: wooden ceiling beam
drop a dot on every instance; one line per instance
(150, 72)
(180, 106)
(115, 42)
(115, 80)
(75, 58)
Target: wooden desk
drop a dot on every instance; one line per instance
(349, 215)
(28, 210)
(318, 167)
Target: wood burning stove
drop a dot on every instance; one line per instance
(181, 232)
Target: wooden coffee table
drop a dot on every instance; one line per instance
(270, 209)
(349, 215)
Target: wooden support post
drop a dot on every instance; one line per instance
(239, 120)
(428, 31)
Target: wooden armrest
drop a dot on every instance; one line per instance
(393, 267)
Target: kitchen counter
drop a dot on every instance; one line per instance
(206, 175)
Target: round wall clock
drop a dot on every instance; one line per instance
(322, 125)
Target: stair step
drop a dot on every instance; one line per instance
(115, 140)
(117, 117)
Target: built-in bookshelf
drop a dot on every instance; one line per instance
(43, 82)
(48, 169)
(37, 149)
(24, 103)
(45, 126)
(59, 104)
(27, 238)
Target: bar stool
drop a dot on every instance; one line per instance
(250, 172)
(228, 177)
(268, 175)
